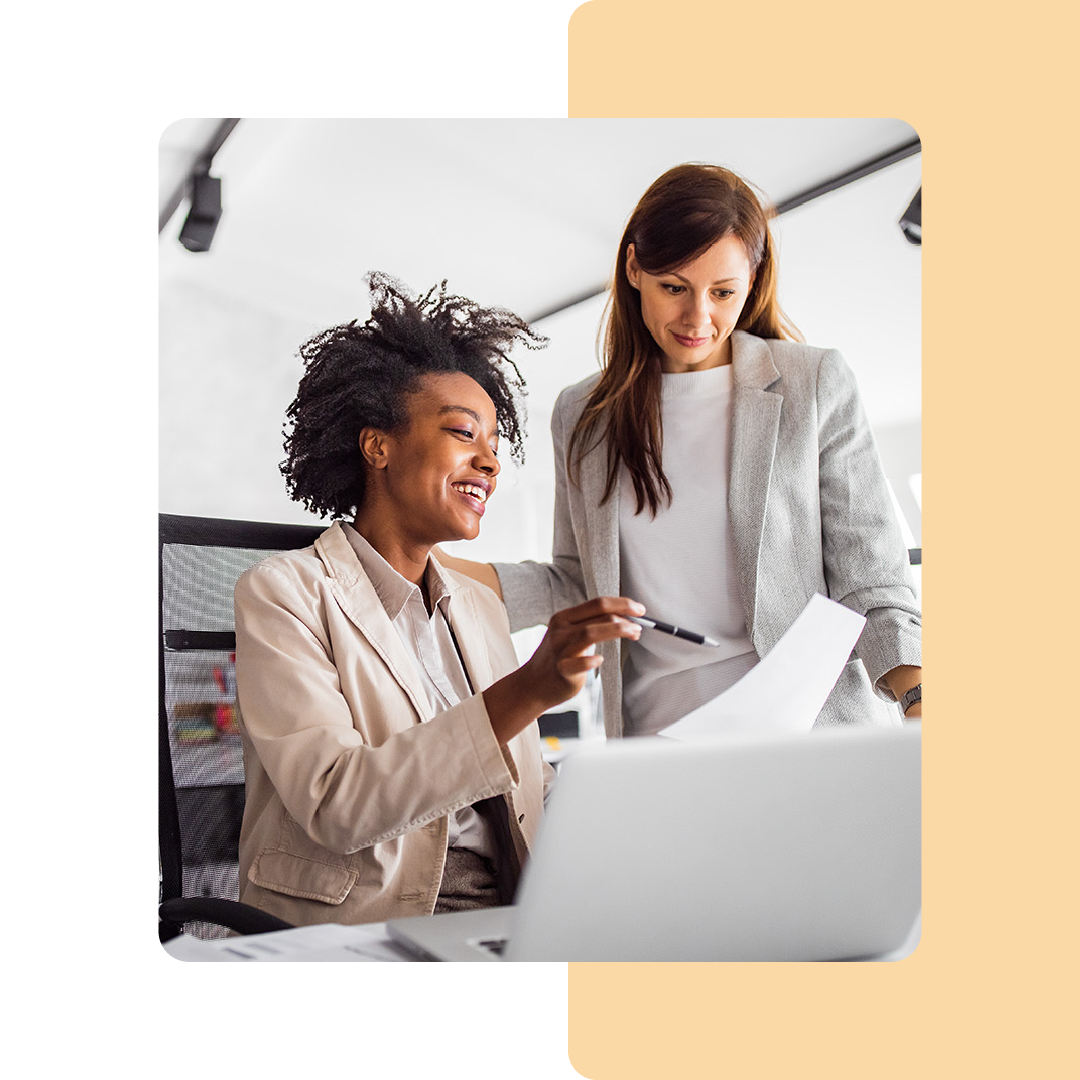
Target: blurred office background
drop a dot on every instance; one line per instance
(524, 214)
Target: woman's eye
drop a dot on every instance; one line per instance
(723, 294)
(673, 289)
(462, 431)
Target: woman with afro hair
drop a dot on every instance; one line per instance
(391, 752)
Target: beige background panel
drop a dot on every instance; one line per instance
(987, 990)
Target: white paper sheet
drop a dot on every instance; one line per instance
(328, 941)
(785, 691)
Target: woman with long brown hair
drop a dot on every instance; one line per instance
(719, 471)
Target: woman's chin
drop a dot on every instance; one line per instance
(462, 532)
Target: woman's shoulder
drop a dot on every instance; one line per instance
(580, 390)
(295, 569)
(574, 397)
(798, 353)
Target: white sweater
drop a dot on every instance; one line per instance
(680, 564)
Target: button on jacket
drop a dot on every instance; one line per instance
(350, 778)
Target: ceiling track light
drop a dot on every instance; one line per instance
(911, 220)
(205, 213)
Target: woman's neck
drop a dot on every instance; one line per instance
(408, 558)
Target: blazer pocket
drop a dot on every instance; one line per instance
(294, 875)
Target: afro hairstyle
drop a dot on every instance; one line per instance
(358, 376)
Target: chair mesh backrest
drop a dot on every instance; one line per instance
(201, 559)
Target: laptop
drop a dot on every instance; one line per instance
(797, 847)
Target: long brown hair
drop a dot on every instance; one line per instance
(681, 216)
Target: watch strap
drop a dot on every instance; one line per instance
(908, 699)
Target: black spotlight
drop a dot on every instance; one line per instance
(911, 221)
(205, 213)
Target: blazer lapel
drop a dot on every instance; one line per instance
(469, 635)
(755, 424)
(602, 520)
(357, 598)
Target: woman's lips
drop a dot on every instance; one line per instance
(474, 502)
(690, 342)
(473, 498)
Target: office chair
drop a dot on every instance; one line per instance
(201, 770)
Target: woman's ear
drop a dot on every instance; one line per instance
(633, 271)
(373, 447)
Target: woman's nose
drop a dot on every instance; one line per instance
(697, 310)
(487, 462)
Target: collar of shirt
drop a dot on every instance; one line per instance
(393, 590)
(428, 637)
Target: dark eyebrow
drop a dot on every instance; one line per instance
(719, 281)
(461, 408)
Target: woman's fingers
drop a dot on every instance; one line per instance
(577, 629)
(597, 609)
(573, 634)
(584, 636)
(570, 666)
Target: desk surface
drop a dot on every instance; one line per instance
(369, 943)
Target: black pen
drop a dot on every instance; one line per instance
(675, 631)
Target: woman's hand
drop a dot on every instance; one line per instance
(558, 668)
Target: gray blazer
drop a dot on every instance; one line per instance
(810, 513)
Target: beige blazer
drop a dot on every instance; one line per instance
(349, 778)
(810, 513)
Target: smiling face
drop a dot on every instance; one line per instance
(431, 480)
(692, 310)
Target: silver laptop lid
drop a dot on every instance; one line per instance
(783, 848)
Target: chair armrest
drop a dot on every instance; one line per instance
(241, 918)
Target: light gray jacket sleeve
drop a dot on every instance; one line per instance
(864, 555)
(532, 591)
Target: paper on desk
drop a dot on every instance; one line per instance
(325, 941)
(785, 691)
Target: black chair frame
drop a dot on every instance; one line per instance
(175, 909)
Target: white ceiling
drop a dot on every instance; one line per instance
(522, 213)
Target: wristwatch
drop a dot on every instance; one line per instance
(909, 699)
